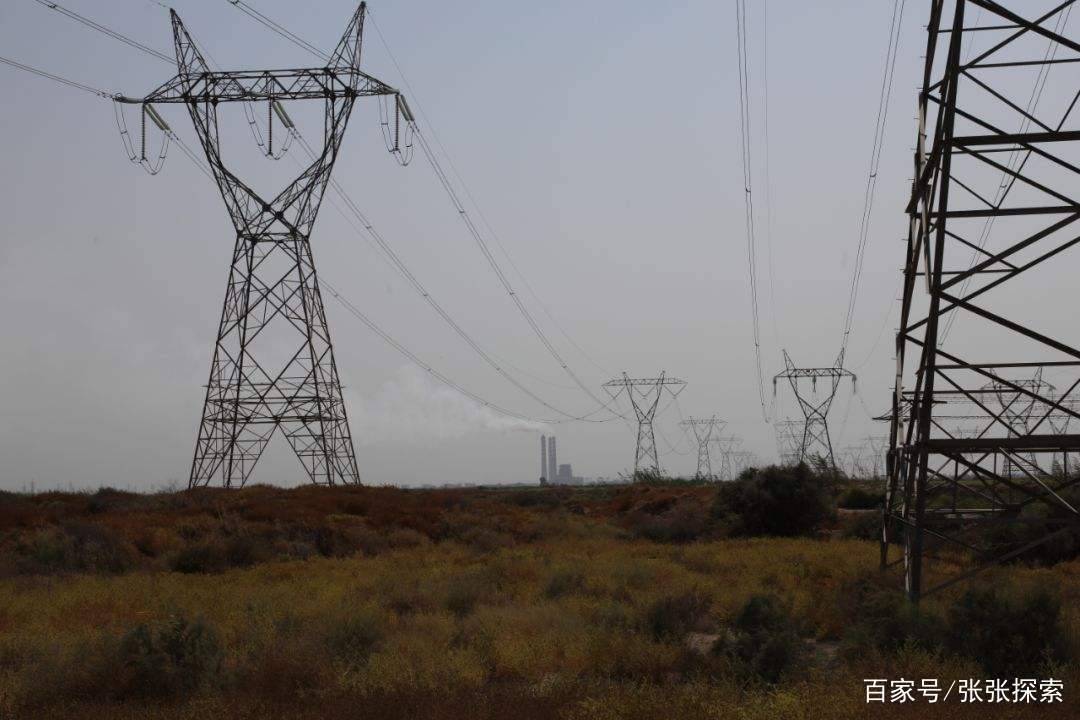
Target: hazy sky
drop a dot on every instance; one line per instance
(600, 140)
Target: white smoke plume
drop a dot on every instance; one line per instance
(414, 407)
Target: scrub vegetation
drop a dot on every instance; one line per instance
(651, 600)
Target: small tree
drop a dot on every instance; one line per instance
(775, 500)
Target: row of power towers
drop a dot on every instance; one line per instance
(645, 396)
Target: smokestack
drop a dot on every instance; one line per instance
(552, 466)
(543, 458)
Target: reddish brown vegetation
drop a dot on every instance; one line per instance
(209, 530)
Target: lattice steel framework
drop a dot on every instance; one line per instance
(815, 437)
(273, 363)
(789, 435)
(728, 446)
(644, 395)
(703, 429)
(987, 285)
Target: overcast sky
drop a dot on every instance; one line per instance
(601, 142)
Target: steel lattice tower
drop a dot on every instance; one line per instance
(728, 447)
(273, 363)
(789, 436)
(645, 394)
(815, 435)
(978, 307)
(703, 429)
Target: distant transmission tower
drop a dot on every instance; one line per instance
(1020, 409)
(987, 278)
(273, 365)
(815, 437)
(789, 436)
(743, 460)
(703, 432)
(645, 394)
(728, 447)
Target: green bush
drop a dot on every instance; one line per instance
(674, 616)
(75, 546)
(1011, 633)
(564, 582)
(465, 591)
(206, 557)
(1037, 520)
(884, 620)
(783, 501)
(763, 643)
(178, 657)
(353, 639)
(684, 521)
(857, 497)
(863, 526)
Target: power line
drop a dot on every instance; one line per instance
(396, 261)
(406, 273)
(57, 78)
(106, 30)
(748, 196)
(880, 122)
(279, 29)
(389, 339)
(445, 181)
(768, 176)
(337, 295)
(472, 199)
(381, 243)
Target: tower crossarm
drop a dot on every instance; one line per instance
(827, 372)
(253, 85)
(638, 382)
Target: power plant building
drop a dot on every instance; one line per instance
(551, 473)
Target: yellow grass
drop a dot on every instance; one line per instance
(456, 623)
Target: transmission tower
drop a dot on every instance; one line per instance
(645, 394)
(979, 307)
(728, 447)
(273, 363)
(703, 432)
(742, 460)
(789, 435)
(815, 408)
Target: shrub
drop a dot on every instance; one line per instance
(464, 592)
(546, 498)
(861, 526)
(884, 620)
(763, 643)
(207, 557)
(354, 637)
(857, 497)
(1037, 520)
(684, 521)
(784, 501)
(176, 657)
(674, 616)
(564, 582)
(76, 546)
(657, 477)
(1011, 633)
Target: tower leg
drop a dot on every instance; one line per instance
(273, 366)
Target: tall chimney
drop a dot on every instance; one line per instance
(552, 465)
(543, 458)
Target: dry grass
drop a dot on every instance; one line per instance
(457, 604)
